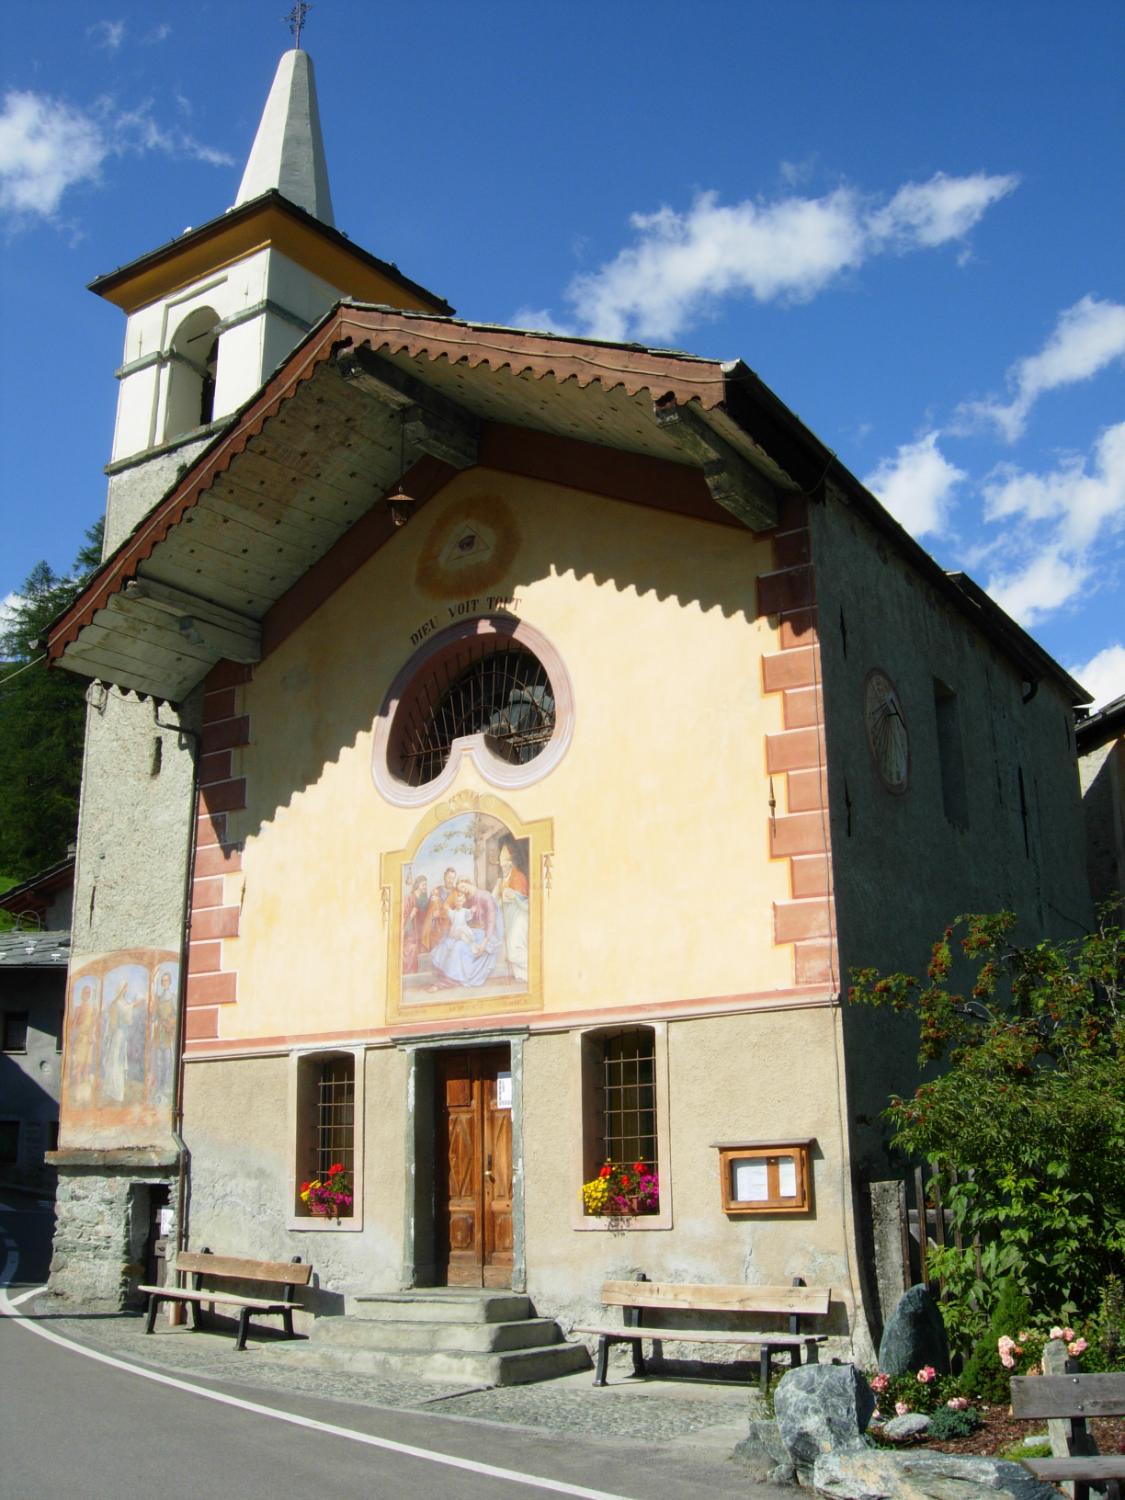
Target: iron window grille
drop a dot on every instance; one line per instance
(627, 1099)
(335, 1117)
(489, 686)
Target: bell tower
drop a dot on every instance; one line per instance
(211, 313)
(209, 316)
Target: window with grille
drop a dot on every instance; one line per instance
(626, 1095)
(327, 1120)
(488, 685)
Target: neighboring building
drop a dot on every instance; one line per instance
(539, 829)
(1101, 769)
(33, 967)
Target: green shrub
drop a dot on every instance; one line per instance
(1027, 1449)
(947, 1424)
(984, 1376)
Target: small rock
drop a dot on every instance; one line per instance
(923, 1475)
(914, 1335)
(901, 1429)
(822, 1408)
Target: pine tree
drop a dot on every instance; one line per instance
(42, 715)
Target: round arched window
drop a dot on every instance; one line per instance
(492, 689)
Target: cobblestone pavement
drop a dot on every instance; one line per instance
(703, 1415)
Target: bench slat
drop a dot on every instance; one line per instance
(701, 1336)
(294, 1273)
(1098, 1466)
(1068, 1395)
(227, 1299)
(810, 1300)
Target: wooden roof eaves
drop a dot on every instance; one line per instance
(413, 334)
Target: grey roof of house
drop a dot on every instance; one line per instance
(34, 950)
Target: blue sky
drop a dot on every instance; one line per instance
(907, 219)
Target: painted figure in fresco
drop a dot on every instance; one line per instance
(511, 895)
(162, 1035)
(470, 950)
(415, 923)
(437, 916)
(82, 1042)
(123, 1039)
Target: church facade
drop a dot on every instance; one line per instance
(500, 747)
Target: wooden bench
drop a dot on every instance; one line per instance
(207, 1268)
(635, 1297)
(1075, 1398)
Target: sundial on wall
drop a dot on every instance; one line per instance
(887, 735)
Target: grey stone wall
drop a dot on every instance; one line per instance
(102, 1224)
(135, 488)
(1103, 802)
(134, 823)
(903, 867)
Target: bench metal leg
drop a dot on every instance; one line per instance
(287, 1322)
(812, 1352)
(638, 1358)
(196, 1316)
(601, 1360)
(243, 1327)
(150, 1317)
(765, 1356)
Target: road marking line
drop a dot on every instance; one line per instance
(8, 1308)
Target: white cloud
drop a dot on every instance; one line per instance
(107, 34)
(945, 208)
(1086, 338)
(1103, 675)
(48, 146)
(917, 485)
(1057, 526)
(786, 250)
(158, 34)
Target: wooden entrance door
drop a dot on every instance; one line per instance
(473, 1163)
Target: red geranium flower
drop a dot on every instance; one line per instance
(333, 1171)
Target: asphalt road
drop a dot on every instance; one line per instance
(76, 1427)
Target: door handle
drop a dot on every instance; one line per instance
(488, 1165)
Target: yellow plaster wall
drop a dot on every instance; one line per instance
(662, 887)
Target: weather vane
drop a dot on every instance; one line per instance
(296, 19)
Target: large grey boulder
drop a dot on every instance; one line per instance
(822, 1409)
(870, 1474)
(914, 1335)
(763, 1456)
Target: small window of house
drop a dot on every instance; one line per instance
(621, 1175)
(14, 1037)
(192, 369)
(954, 793)
(492, 689)
(326, 1155)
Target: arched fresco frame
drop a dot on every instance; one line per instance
(468, 833)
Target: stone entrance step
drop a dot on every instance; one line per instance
(449, 1334)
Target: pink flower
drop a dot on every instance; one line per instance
(1023, 1337)
(1007, 1361)
(901, 1408)
(880, 1382)
(958, 1403)
(1056, 1332)
(1004, 1343)
(1068, 1334)
(1077, 1346)
(926, 1374)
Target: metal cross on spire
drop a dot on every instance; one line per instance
(296, 19)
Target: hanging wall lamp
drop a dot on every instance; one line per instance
(399, 503)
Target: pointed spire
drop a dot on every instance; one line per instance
(288, 151)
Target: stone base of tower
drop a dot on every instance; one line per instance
(108, 1221)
